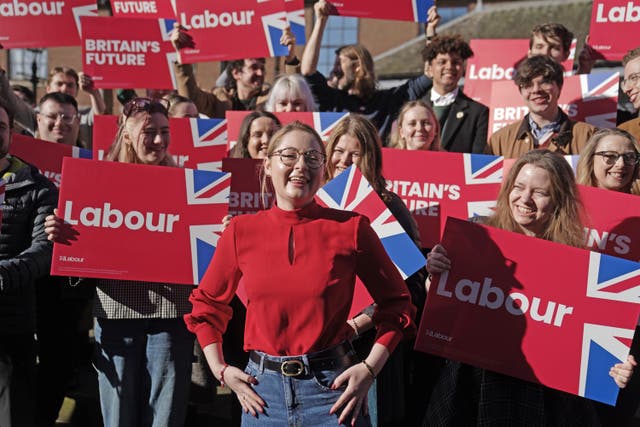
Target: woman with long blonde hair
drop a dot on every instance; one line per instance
(417, 128)
(610, 160)
(539, 198)
(143, 349)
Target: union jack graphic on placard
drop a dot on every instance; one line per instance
(81, 153)
(166, 26)
(295, 18)
(482, 169)
(350, 191)
(602, 347)
(481, 208)
(273, 25)
(325, 122)
(613, 278)
(208, 132)
(599, 85)
(79, 11)
(207, 187)
(420, 9)
(204, 239)
(572, 159)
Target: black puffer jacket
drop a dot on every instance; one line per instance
(25, 252)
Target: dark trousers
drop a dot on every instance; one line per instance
(17, 380)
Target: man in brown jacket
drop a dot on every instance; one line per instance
(539, 79)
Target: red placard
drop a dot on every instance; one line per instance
(143, 9)
(435, 185)
(168, 218)
(613, 25)
(296, 20)
(502, 312)
(195, 143)
(323, 123)
(46, 156)
(43, 23)
(496, 60)
(402, 10)
(245, 196)
(234, 22)
(591, 98)
(612, 224)
(128, 52)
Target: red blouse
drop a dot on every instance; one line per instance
(299, 302)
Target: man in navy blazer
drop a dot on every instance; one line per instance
(463, 121)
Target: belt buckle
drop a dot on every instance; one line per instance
(292, 368)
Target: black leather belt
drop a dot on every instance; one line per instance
(340, 356)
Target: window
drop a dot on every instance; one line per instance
(339, 31)
(21, 63)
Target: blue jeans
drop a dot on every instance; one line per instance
(144, 371)
(299, 401)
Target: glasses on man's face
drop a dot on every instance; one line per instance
(611, 157)
(146, 104)
(631, 81)
(289, 157)
(545, 85)
(64, 118)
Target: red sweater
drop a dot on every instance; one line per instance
(300, 306)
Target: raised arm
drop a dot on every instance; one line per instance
(309, 62)
(97, 102)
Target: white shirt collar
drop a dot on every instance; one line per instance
(443, 100)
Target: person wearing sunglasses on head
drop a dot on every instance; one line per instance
(297, 262)
(143, 349)
(539, 80)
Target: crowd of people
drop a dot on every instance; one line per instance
(293, 355)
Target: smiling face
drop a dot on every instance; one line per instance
(296, 185)
(418, 128)
(541, 97)
(345, 153)
(58, 122)
(148, 136)
(530, 200)
(445, 70)
(619, 175)
(260, 132)
(251, 76)
(631, 85)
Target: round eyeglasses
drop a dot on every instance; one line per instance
(289, 157)
(611, 157)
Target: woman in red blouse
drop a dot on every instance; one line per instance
(298, 263)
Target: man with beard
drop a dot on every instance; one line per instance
(244, 89)
(354, 81)
(58, 119)
(25, 256)
(539, 79)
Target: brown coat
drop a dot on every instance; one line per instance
(213, 104)
(514, 140)
(633, 127)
